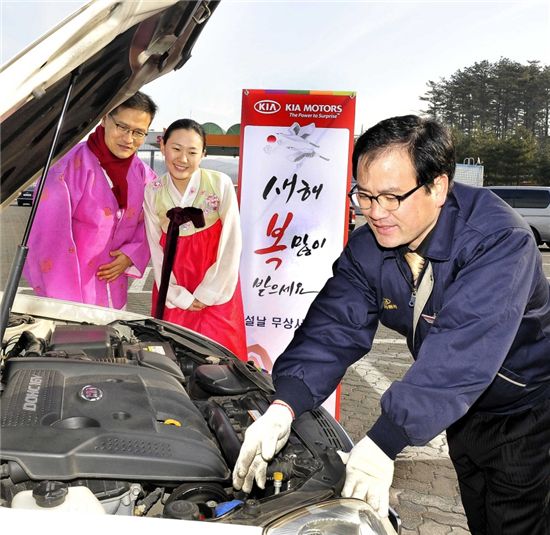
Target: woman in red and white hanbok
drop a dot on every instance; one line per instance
(203, 290)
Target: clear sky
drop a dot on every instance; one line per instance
(385, 51)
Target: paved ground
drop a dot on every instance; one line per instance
(424, 492)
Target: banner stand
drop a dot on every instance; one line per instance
(294, 173)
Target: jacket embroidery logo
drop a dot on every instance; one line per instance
(388, 305)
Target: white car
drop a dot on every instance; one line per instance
(112, 420)
(533, 204)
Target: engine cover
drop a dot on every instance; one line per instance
(71, 419)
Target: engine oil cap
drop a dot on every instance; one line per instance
(50, 493)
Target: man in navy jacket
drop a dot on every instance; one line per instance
(477, 322)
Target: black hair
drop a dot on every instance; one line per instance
(139, 101)
(428, 143)
(185, 124)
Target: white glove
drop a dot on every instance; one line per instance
(262, 440)
(369, 474)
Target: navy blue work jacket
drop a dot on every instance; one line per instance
(481, 344)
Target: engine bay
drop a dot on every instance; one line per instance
(150, 419)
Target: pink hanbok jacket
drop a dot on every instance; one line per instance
(78, 223)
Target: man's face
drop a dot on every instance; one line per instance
(393, 172)
(125, 139)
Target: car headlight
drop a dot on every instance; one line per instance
(343, 516)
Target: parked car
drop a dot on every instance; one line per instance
(533, 203)
(109, 413)
(26, 196)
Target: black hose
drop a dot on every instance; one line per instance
(29, 344)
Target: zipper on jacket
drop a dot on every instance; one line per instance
(412, 298)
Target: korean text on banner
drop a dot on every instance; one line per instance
(295, 170)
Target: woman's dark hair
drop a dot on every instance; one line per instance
(428, 143)
(185, 124)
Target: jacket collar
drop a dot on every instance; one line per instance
(440, 239)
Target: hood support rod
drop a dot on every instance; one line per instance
(21, 254)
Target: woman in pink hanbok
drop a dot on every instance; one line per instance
(89, 233)
(192, 217)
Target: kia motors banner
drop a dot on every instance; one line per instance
(294, 173)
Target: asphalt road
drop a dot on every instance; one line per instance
(424, 492)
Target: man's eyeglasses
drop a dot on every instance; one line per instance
(138, 135)
(387, 201)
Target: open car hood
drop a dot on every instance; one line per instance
(116, 47)
(105, 413)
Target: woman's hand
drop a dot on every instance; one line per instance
(196, 305)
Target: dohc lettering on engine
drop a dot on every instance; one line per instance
(31, 395)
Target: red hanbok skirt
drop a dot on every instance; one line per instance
(222, 323)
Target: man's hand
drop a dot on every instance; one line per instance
(262, 440)
(109, 272)
(369, 474)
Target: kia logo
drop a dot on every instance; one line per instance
(267, 106)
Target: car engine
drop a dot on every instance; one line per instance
(150, 418)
